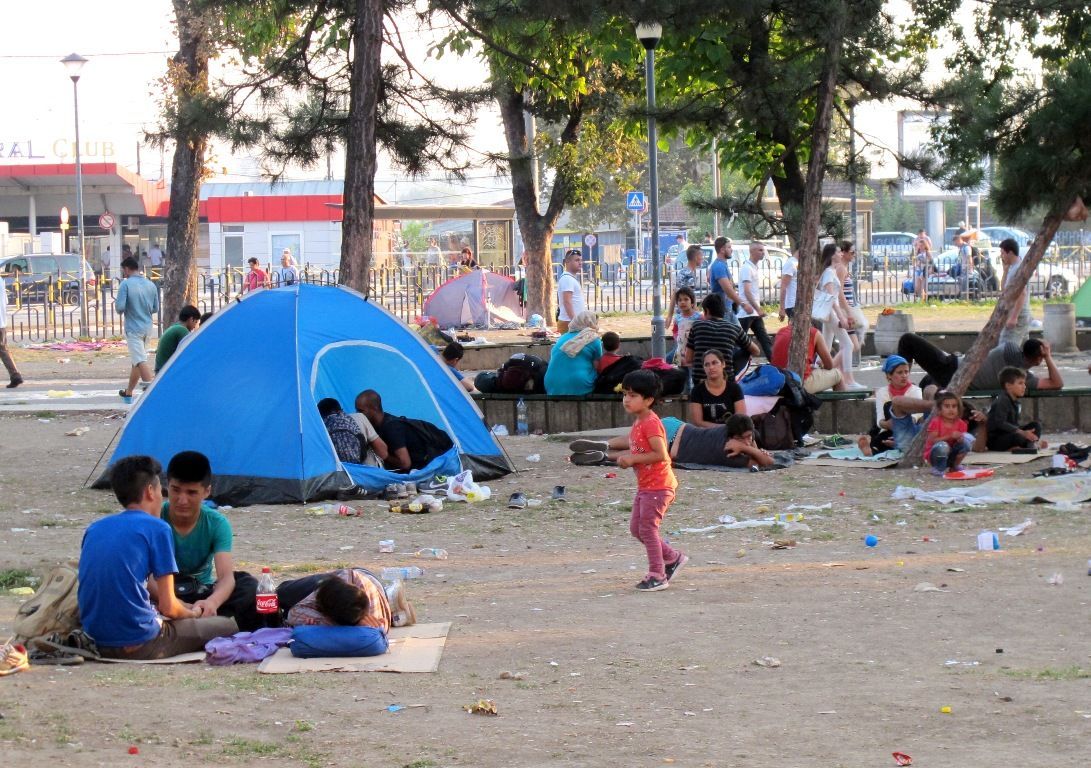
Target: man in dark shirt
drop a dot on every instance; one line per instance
(409, 447)
(714, 332)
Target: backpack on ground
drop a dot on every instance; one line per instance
(773, 430)
(609, 379)
(522, 374)
(438, 441)
(54, 608)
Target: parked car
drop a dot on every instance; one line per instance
(891, 250)
(33, 276)
(1020, 236)
(1048, 280)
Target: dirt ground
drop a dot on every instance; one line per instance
(609, 676)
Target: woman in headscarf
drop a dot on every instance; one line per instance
(571, 368)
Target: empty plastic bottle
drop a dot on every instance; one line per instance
(432, 553)
(521, 425)
(788, 517)
(402, 573)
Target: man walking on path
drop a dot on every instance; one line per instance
(137, 300)
(5, 356)
(570, 300)
(752, 319)
(720, 283)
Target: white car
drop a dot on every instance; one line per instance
(1048, 279)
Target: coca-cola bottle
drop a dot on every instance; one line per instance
(268, 606)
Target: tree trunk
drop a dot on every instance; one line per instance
(535, 226)
(189, 79)
(812, 196)
(360, 145)
(986, 340)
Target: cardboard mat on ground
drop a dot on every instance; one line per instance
(412, 649)
(993, 458)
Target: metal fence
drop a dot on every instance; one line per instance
(50, 308)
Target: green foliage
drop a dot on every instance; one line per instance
(1036, 132)
(893, 213)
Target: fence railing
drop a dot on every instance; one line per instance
(48, 308)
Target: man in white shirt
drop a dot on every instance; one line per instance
(750, 312)
(287, 274)
(5, 356)
(570, 300)
(155, 255)
(788, 287)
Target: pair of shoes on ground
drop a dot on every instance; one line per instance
(518, 500)
(399, 491)
(15, 381)
(588, 453)
(652, 584)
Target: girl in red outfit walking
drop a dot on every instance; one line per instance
(655, 483)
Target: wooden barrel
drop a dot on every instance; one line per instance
(888, 329)
(1059, 327)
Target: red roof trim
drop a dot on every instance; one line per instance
(270, 208)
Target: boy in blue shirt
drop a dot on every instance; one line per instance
(121, 556)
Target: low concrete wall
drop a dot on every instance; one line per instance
(1057, 411)
(489, 357)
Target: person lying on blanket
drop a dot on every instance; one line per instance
(725, 445)
(347, 597)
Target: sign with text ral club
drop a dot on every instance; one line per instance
(634, 201)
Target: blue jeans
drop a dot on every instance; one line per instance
(943, 457)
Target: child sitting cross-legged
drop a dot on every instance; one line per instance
(947, 441)
(1003, 430)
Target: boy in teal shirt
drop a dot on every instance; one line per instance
(202, 536)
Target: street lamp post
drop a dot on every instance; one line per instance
(649, 34)
(73, 63)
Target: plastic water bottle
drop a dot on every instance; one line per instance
(432, 553)
(788, 517)
(329, 508)
(402, 573)
(521, 426)
(268, 605)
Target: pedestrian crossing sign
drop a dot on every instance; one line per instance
(634, 201)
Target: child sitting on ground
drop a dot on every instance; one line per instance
(650, 459)
(344, 433)
(611, 343)
(947, 442)
(741, 449)
(1003, 430)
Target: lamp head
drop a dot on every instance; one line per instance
(649, 33)
(73, 63)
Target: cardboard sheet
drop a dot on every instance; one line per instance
(1004, 457)
(412, 649)
(826, 461)
(182, 658)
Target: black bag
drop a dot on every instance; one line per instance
(437, 441)
(773, 430)
(611, 376)
(486, 381)
(672, 380)
(522, 374)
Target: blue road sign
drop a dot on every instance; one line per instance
(634, 201)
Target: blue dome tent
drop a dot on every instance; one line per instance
(243, 390)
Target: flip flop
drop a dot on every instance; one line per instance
(970, 474)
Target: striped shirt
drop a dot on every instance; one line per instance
(850, 293)
(378, 614)
(713, 333)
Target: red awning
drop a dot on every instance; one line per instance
(106, 187)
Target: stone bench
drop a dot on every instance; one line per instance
(846, 413)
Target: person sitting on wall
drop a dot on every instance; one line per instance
(452, 356)
(410, 443)
(571, 369)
